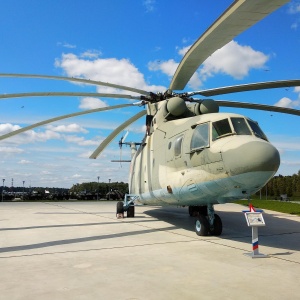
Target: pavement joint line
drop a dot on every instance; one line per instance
(196, 239)
(96, 249)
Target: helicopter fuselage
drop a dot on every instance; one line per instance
(200, 160)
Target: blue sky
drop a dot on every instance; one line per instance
(133, 43)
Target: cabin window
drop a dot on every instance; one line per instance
(200, 138)
(221, 129)
(256, 130)
(240, 126)
(177, 146)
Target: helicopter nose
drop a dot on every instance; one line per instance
(252, 156)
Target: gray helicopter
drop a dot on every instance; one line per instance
(192, 155)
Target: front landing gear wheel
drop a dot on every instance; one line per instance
(217, 227)
(120, 210)
(202, 226)
(130, 212)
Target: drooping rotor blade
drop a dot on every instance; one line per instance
(279, 109)
(93, 82)
(10, 134)
(247, 87)
(69, 94)
(108, 140)
(241, 15)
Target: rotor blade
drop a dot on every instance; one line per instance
(51, 94)
(241, 15)
(10, 134)
(247, 87)
(279, 109)
(108, 140)
(93, 82)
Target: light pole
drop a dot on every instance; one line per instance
(2, 188)
(98, 188)
(23, 189)
(109, 189)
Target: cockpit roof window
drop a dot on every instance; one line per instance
(256, 130)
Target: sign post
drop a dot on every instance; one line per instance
(255, 219)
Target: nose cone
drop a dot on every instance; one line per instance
(252, 156)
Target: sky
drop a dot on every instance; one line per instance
(137, 44)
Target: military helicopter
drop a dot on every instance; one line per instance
(192, 155)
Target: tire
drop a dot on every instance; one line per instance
(120, 208)
(130, 212)
(202, 226)
(218, 227)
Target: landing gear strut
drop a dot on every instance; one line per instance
(207, 222)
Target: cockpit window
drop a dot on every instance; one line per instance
(221, 128)
(200, 138)
(240, 126)
(256, 130)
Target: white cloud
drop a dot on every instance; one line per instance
(67, 128)
(234, 60)
(7, 127)
(24, 162)
(66, 45)
(42, 136)
(28, 136)
(167, 67)
(184, 50)
(149, 4)
(76, 176)
(10, 150)
(80, 140)
(112, 70)
(286, 102)
(92, 54)
(91, 103)
(294, 8)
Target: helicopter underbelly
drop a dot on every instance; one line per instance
(197, 192)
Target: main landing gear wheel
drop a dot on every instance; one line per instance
(130, 212)
(202, 226)
(120, 210)
(217, 227)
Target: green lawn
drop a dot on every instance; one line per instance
(276, 205)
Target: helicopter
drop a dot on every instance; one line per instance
(191, 155)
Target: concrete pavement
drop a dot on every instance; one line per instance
(79, 250)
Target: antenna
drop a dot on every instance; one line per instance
(121, 142)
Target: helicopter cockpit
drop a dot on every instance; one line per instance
(236, 126)
(223, 128)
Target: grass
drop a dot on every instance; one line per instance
(275, 205)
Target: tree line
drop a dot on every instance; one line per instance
(282, 185)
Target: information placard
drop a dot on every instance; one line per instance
(254, 219)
